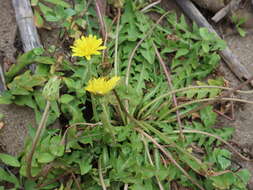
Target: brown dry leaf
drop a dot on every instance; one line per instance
(195, 115)
(172, 37)
(1, 124)
(7, 63)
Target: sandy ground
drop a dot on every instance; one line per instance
(243, 123)
(17, 118)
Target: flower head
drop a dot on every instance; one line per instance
(101, 85)
(87, 46)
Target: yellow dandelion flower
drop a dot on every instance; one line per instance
(87, 46)
(101, 85)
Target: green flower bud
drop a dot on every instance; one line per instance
(52, 88)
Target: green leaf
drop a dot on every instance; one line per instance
(45, 157)
(205, 47)
(66, 98)
(23, 84)
(128, 19)
(148, 51)
(138, 187)
(45, 9)
(55, 147)
(22, 61)
(206, 35)
(59, 2)
(223, 157)
(181, 52)
(85, 165)
(45, 60)
(71, 12)
(34, 2)
(38, 51)
(208, 116)
(25, 101)
(241, 31)
(6, 98)
(243, 178)
(223, 181)
(30, 185)
(5, 176)
(40, 100)
(9, 160)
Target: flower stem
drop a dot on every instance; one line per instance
(106, 118)
(95, 114)
(36, 139)
(101, 179)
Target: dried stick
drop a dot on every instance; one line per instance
(223, 115)
(150, 5)
(231, 60)
(185, 89)
(117, 43)
(167, 74)
(54, 180)
(218, 98)
(100, 13)
(3, 86)
(27, 28)
(169, 156)
(208, 100)
(217, 137)
(77, 183)
(231, 6)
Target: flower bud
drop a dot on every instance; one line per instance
(52, 88)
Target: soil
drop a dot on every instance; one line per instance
(16, 118)
(243, 123)
(7, 30)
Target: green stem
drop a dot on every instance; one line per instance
(101, 179)
(89, 67)
(95, 113)
(93, 102)
(123, 118)
(36, 139)
(106, 118)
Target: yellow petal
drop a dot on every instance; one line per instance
(101, 85)
(87, 46)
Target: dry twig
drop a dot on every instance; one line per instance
(231, 6)
(220, 139)
(167, 74)
(170, 157)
